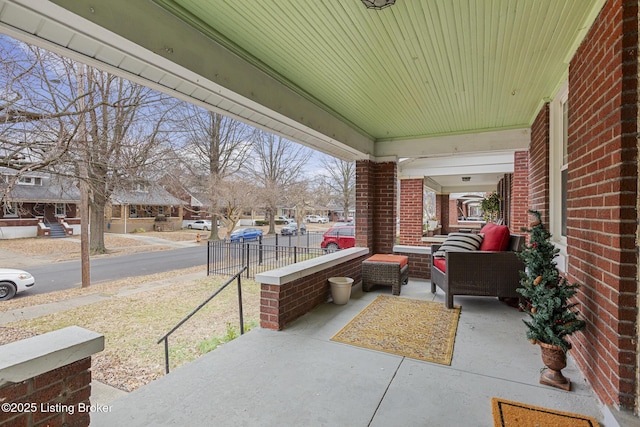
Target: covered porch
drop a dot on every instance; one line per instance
(537, 98)
(298, 376)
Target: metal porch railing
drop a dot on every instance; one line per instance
(165, 338)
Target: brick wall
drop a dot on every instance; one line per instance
(443, 212)
(518, 216)
(52, 393)
(419, 265)
(281, 304)
(384, 219)
(411, 211)
(602, 197)
(539, 165)
(365, 181)
(504, 189)
(376, 185)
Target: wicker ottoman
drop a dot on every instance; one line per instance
(385, 270)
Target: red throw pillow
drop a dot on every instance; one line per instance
(496, 237)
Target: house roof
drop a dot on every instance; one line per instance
(154, 195)
(53, 188)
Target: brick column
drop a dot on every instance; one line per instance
(376, 184)
(384, 220)
(519, 192)
(443, 212)
(411, 211)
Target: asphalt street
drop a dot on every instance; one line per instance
(67, 275)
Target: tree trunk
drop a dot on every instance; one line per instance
(96, 243)
(214, 229)
(272, 220)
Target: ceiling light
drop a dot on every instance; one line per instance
(378, 4)
(466, 178)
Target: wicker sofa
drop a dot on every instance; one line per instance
(479, 273)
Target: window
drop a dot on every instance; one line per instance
(160, 210)
(61, 209)
(140, 187)
(29, 180)
(564, 168)
(133, 211)
(558, 171)
(10, 209)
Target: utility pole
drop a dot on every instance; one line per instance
(85, 261)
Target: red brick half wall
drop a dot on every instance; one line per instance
(46, 380)
(290, 292)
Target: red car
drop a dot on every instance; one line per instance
(339, 238)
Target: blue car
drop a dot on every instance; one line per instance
(243, 234)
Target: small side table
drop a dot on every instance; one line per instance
(385, 270)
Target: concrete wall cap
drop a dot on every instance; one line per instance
(281, 276)
(37, 355)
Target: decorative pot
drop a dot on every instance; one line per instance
(555, 359)
(340, 289)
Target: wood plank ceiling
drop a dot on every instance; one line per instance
(421, 79)
(416, 69)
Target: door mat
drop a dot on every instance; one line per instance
(418, 329)
(510, 414)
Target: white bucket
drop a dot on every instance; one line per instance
(340, 289)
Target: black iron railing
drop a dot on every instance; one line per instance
(165, 338)
(226, 257)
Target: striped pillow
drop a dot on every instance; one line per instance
(459, 242)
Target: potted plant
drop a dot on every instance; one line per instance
(547, 297)
(490, 206)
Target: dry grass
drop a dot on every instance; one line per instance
(131, 324)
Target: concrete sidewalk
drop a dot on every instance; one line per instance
(35, 311)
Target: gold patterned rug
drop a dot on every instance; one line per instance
(507, 413)
(418, 329)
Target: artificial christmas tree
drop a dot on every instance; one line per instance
(547, 294)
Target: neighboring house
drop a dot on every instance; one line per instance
(146, 206)
(37, 203)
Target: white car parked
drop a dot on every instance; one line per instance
(201, 224)
(14, 281)
(317, 219)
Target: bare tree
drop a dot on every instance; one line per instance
(299, 196)
(216, 146)
(35, 107)
(277, 163)
(341, 180)
(236, 195)
(125, 130)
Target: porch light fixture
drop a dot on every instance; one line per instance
(378, 4)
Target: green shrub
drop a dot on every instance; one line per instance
(262, 222)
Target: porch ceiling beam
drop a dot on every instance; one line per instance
(500, 140)
(480, 188)
(498, 163)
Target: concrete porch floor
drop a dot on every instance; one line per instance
(298, 377)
